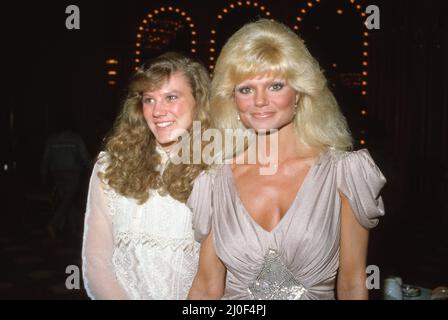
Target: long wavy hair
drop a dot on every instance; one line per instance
(268, 47)
(133, 162)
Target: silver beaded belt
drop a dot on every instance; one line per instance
(275, 281)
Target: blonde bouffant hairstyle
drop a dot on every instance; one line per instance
(132, 159)
(268, 47)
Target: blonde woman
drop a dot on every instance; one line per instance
(301, 232)
(138, 238)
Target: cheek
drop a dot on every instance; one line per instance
(147, 113)
(184, 112)
(242, 103)
(285, 102)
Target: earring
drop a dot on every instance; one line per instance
(238, 117)
(296, 105)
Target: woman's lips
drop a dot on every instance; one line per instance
(263, 115)
(164, 124)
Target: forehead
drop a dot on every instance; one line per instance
(262, 79)
(177, 81)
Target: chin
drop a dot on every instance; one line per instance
(164, 139)
(266, 127)
(271, 126)
(165, 143)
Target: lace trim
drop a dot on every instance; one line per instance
(164, 159)
(126, 270)
(152, 276)
(190, 261)
(127, 238)
(111, 197)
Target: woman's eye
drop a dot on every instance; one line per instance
(147, 100)
(244, 90)
(171, 98)
(277, 86)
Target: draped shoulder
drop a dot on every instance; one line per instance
(361, 181)
(201, 204)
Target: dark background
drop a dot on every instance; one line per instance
(51, 76)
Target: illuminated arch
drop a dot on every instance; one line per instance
(232, 7)
(310, 5)
(111, 70)
(153, 14)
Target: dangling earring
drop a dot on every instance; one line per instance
(238, 117)
(296, 105)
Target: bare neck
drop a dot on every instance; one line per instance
(286, 144)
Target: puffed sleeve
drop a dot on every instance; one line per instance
(361, 181)
(99, 277)
(200, 203)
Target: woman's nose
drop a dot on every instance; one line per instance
(159, 109)
(260, 99)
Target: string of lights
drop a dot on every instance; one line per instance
(310, 5)
(227, 10)
(154, 33)
(111, 70)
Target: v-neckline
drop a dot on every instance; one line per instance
(292, 205)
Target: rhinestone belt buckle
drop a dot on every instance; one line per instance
(275, 281)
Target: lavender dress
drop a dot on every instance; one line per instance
(299, 258)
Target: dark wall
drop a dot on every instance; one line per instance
(409, 121)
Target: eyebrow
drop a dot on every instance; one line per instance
(173, 91)
(165, 93)
(271, 81)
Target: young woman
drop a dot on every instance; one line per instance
(302, 231)
(138, 238)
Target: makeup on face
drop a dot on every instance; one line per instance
(265, 102)
(168, 110)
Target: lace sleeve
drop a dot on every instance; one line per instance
(99, 277)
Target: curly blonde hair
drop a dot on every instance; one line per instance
(268, 47)
(132, 159)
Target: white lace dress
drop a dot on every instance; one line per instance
(133, 251)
